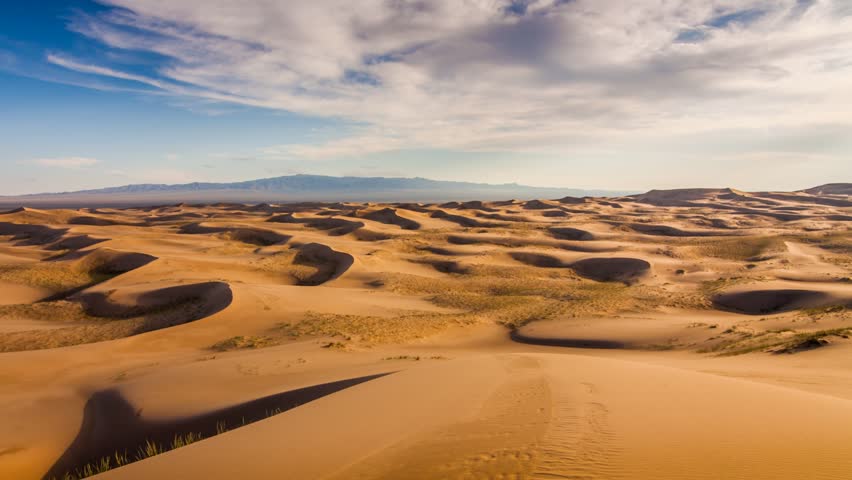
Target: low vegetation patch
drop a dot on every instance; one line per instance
(78, 327)
(374, 329)
(241, 342)
(515, 296)
(839, 242)
(740, 248)
(53, 276)
(773, 341)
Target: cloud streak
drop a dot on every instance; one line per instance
(495, 75)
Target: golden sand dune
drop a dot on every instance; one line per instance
(687, 334)
(570, 233)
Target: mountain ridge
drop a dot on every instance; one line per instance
(302, 187)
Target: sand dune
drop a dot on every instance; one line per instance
(569, 233)
(689, 334)
(206, 298)
(91, 220)
(334, 226)
(111, 424)
(537, 416)
(463, 220)
(669, 231)
(106, 261)
(75, 242)
(607, 269)
(761, 302)
(254, 236)
(389, 216)
(329, 264)
(539, 259)
(26, 234)
(98, 316)
(572, 200)
(538, 205)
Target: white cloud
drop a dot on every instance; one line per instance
(497, 75)
(98, 70)
(66, 162)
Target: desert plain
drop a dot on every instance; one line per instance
(676, 334)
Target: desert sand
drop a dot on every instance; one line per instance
(678, 334)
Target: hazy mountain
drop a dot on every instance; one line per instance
(295, 188)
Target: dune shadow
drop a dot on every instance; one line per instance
(518, 337)
(329, 263)
(568, 233)
(208, 298)
(30, 234)
(612, 269)
(112, 424)
(249, 235)
(390, 217)
(334, 226)
(464, 221)
(101, 264)
(763, 302)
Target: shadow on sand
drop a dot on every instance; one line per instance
(111, 424)
(566, 342)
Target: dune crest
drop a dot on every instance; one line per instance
(527, 338)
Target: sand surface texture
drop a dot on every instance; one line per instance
(679, 334)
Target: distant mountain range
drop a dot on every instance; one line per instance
(295, 188)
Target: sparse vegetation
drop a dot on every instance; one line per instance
(241, 342)
(775, 341)
(85, 328)
(372, 329)
(186, 439)
(149, 449)
(52, 276)
(837, 242)
(511, 273)
(740, 248)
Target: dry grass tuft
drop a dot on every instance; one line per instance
(243, 342)
(54, 276)
(740, 248)
(374, 329)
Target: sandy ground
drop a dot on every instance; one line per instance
(683, 334)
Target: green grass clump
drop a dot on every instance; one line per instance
(91, 469)
(148, 450)
(185, 439)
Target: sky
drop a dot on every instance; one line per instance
(751, 94)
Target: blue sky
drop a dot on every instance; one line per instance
(753, 94)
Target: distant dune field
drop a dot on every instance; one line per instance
(677, 334)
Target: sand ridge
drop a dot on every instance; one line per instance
(534, 339)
